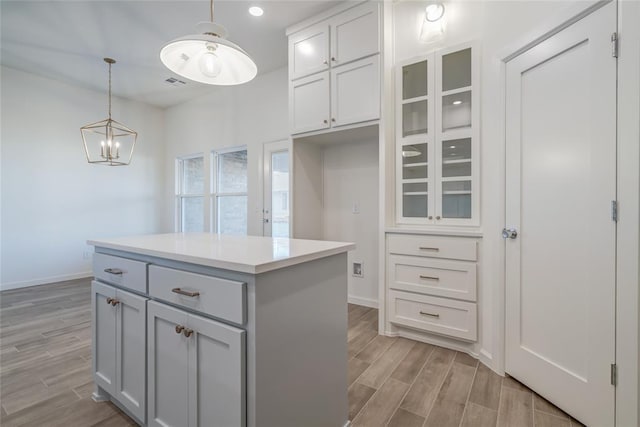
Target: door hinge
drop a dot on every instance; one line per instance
(614, 374)
(614, 210)
(614, 45)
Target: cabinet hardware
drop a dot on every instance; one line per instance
(333, 120)
(614, 45)
(333, 58)
(509, 233)
(179, 329)
(109, 300)
(325, 121)
(187, 332)
(185, 293)
(114, 302)
(430, 217)
(325, 62)
(614, 374)
(116, 271)
(429, 277)
(426, 248)
(424, 313)
(438, 218)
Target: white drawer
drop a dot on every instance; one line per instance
(121, 271)
(433, 314)
(444, 278)
(432, 246)
(214, 296)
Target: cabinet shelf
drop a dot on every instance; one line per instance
(456, 91)
(415, 193)
(450, 193)
(456, 178)
(415, 99)
(415, 165)
(453, 162)
(415, 181)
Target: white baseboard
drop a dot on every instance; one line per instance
(44, 280)
(367, 302)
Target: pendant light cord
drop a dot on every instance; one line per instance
(109, 91)
(211, 10)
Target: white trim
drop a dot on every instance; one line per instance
(367, 302)
(322, 16)
(45, 280)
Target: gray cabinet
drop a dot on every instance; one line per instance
(119, 346)
(192, 356)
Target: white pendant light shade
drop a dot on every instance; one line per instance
(209, 57)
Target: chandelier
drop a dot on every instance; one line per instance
(108, 142)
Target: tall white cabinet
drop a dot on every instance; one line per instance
(334, 70)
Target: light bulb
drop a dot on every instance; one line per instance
(434, 12)
(210, 64)
(457, 102)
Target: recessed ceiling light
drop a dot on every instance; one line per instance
(453, 146)
(457, 102)
(256, 11)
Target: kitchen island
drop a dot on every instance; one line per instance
(199, 329)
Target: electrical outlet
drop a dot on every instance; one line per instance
(356, 208)
(357, 270)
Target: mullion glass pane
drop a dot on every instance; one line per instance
(232, 172)
(192, 214)
(193, 176)
(280, 194)
(414, 80)
(414, 118)
(456, 70)
(232, 214)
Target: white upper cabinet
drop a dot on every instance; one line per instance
(354, 34)
(437, 138)
(309, 105)
(355, 92)
(309, 51)
(334, 70)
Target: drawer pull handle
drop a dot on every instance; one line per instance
(116, 271)
(424, 313)
(187, 332)
(113, 301)
(185, 293)
(429, 277)
(179, 329)
(109, 300)
(427, 248)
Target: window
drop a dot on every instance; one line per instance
(229, 191)
(190, 193)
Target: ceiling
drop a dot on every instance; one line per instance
(66, 40)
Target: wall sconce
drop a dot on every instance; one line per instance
(434, 22)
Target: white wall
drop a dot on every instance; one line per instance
(250, 114)
(52, 199)
(350, 176)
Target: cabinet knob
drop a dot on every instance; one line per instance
(325, 121)
(187, 332)
(114, 302)
(333, 58)
(179, 329)
(430, 217)
(333, 120)
(437, 217)
(109, 300)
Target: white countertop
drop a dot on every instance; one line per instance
(247, 254)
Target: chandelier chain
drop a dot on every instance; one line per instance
(109, 90)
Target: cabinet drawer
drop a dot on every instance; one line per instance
(433, 314)
(120, 271)
(432, 246)
(214, 296)
(452, 279)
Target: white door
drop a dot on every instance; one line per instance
(354, 34)
(560, 181)
(309, 103)
(216, 374)
(276, 200)
(167, 366)
(104, 336)
(131, 346)
(309, 51)
(355, 92)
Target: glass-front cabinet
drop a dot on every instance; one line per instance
(437, 138)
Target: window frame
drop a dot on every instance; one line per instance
(180, 196)
(215, 194)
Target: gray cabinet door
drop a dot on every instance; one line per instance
(167, 369)
(131, 340)
(104, 336)
(216, 374)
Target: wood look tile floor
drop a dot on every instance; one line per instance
(45, 373)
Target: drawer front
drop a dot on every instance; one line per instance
(432, 246)
(214, 296)
(451, 279)
(121, 271)
(433, 314)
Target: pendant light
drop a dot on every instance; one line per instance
(208, 57)
(108, 142)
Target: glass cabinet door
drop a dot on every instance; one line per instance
(456, 178)
(415, 95)
(456, 90)
(415, 181)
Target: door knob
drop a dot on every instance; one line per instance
(509, 233)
